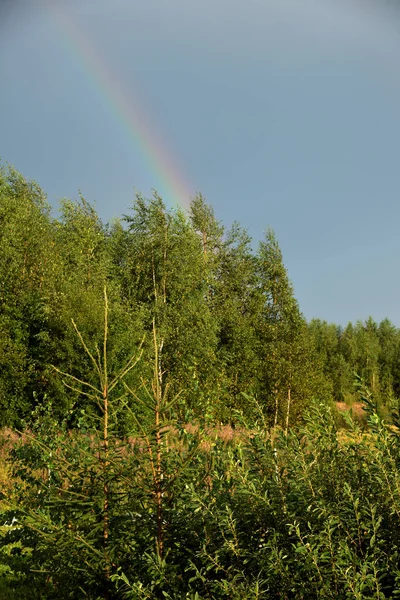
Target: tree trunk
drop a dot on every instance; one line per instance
(106, 491)
(204, 235)
(289, 401)
(276, 407)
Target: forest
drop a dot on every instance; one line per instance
(171, 426)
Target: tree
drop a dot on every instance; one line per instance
(236, 304)
(327, 339)
(27, 267)
(389, 343)
(166, 280)
(205, 224)
(292, 372)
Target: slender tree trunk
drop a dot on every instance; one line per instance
(276, 407)
(204, 235)
(159, 503)
(289, 401)
(106, 490)
(154, 278)
(158, 376)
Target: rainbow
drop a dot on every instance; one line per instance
(171, 183)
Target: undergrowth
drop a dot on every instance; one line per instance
(182, 512)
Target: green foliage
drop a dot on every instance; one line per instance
(121, 484)
(227, 318)
(165, 278)
(313, 513)
(366, 348)
(25, 262)
(291, 368)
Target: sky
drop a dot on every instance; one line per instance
(282, 113)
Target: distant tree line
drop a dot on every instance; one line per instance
(368, 349)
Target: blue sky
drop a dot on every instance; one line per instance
(283, 113)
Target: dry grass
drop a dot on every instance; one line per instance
(356, 409)
(8, 439)
(207, 438)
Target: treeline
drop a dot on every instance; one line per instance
(230, 330)
(367, 348)
(232, 338)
